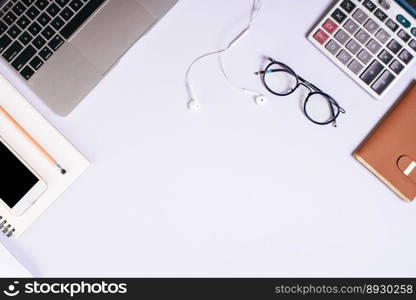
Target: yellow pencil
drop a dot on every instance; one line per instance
(32, 140)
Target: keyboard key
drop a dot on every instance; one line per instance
(14, 31)
(57, 23)
(373, 46)
(48, 32)
(372, 72)
(355, 67)
(27, 72)
(353, 46)
(24, 57)
(43, 19)
(348, 6)
(405, 56)
(383, 36)
(339, 16)
(28, 2)
(9, 18)
(80, 18)
(330, 26)
(5, 41)
(12, 51)
(362, 36)
(381, 15)
(321, 36)
(23, 22)
(75, 4)
(403, 35)
(383, 82)
(39, 42)
(36, 63)
(41, 4)
(392, 25)
(62, 3)
(3, 27)
(385, 57)
(351, 26)
(369, 5)
(371, 26)
(53, 9)
(34, 29)
(333, 47)
(412, 44)
(32, 12)
(45, 53)
(344, 57)
(364, 56)
(396, 67)
(25, 38)
(360, 16)
(19, 9)
(394, 46)
(56, 42)
(67, 13)
(342, 37)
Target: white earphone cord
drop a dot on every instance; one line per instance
(256, 7)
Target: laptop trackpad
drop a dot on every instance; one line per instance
(115, 28)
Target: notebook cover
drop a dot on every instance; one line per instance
(52, 141)
(390, 151)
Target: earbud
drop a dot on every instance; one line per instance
(261, 100)
(194, 105)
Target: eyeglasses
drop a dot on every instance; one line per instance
(319, 107)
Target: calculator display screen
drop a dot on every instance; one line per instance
(409, 5)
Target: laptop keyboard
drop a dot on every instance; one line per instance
(31, 31)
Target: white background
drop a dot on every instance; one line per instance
(235, 190)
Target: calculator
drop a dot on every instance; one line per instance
(373, 41)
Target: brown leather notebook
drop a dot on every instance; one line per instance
(390, 151)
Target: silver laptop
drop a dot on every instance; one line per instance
(63, 48)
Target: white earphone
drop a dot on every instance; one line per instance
(260, 99)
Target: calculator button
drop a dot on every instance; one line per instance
(371, 26)
(344, 57)
(403, 35)
(353, 46)
(385, 56)
(392, 25)
(348, 6)
(383, 82)
(394, 46)
(355, 67)
(372, 72)
(369, 5)
(342, 36)
(396, 67)
(321, 36)
(402, 20)
(333, 47)
(360, 16)
(412, 44)
(364, 56)
(381, 15)
(405, 56)
(373, 46)
(339, 16)
(351, 26)
(383, 36)
(413, 31)
(330, 26)
(362, 36)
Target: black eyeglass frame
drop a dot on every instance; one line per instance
(335, 108)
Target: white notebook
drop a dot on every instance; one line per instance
(9, 266)
(51, 140)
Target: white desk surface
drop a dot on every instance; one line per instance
(235, 190)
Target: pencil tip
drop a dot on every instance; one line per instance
(63, 171)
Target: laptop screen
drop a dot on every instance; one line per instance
(409, 5)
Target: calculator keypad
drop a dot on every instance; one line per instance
(375, 46)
